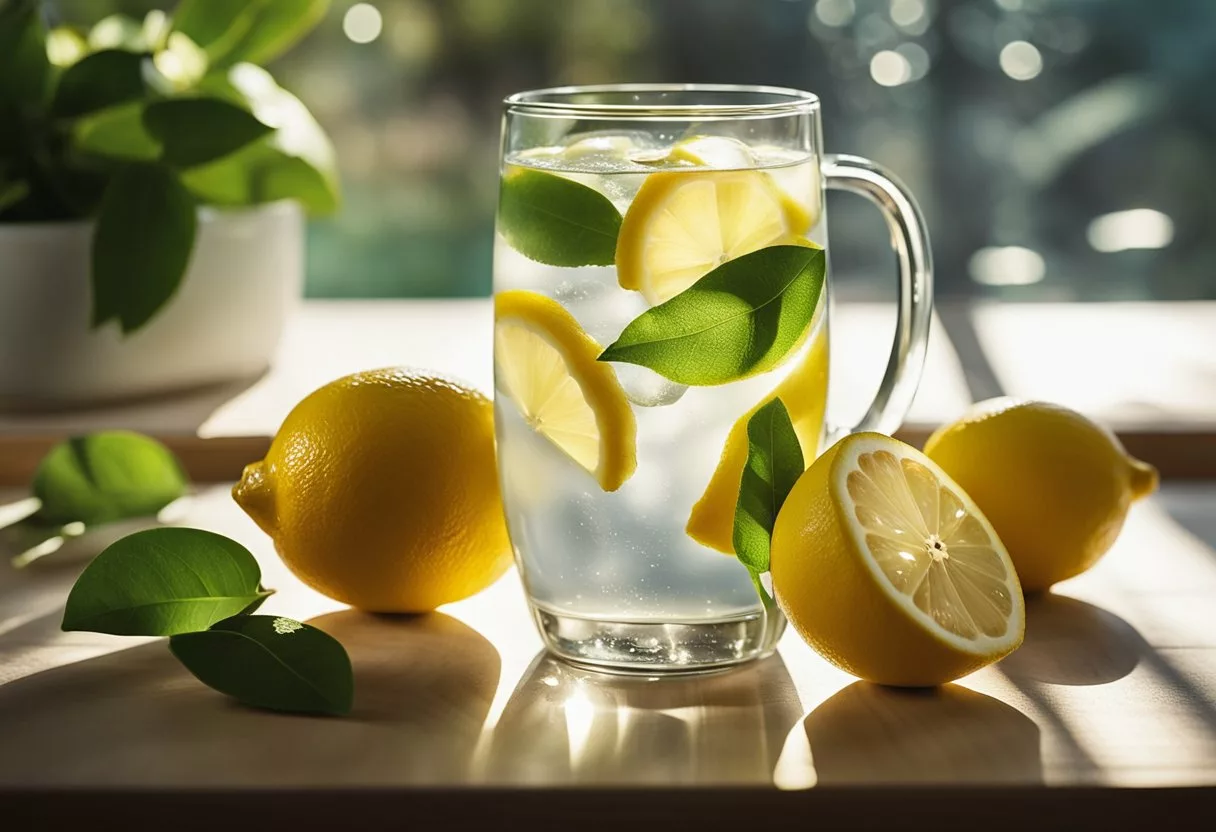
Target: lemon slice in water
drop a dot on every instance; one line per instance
(546, 364)
(682, 224)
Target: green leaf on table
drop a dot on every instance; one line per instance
(106, 476)
(141, 244)
(116, 133)
(277, 25)
(194, 131)
(95, 82)
(269, 662)
(742, 318)
(162, 582)
(215, 25)
(294, 162)
(25, 70)
(557, 221)
(774, 464)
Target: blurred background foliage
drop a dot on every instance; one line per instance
(1062, 149)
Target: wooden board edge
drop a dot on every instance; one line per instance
(1177, 454)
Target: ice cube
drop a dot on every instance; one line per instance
(646, 388)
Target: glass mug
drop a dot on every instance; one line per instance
(620, 477)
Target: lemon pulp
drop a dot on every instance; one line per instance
(930, 546)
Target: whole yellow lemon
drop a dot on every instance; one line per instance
(380, 490)
(1055, 485)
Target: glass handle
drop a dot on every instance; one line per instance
(910, 239)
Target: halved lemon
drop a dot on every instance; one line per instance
(888, 569)
(684, 223)
(546, 364)
(804, 394)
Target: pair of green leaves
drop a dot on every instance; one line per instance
(201, 589)
(741, 319)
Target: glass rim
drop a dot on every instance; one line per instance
(537, 102)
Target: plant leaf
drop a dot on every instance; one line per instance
(162, 582)
(116, 133)
(270, 662)
(742, 318)
(276, 27)
(25, 70)
(106, 476)
(215, 25)
(11, 193)
(774, 464)
(95, 82)
(557, 221)
(194, 131)
(295, 162)
(141, 244)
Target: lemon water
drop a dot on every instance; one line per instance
(614, 576)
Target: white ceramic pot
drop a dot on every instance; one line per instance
(245, 276)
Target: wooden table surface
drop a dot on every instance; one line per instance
(1108, 710)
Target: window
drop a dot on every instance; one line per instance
(1062, 149)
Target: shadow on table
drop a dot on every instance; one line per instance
(1070, 642)
(564, 725)
(869, 734)
(423, 687)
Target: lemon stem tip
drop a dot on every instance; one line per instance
(1144, 478)
(255, 496)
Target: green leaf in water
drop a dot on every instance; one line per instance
(557, 221)
(269, 662)
(106, 476)
(162, 582)
(741, 319)
(774, 464)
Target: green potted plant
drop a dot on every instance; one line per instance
(153, 182)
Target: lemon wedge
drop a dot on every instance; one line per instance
(684, 223)
(804, 394)
(888, 569)
(546, 364)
